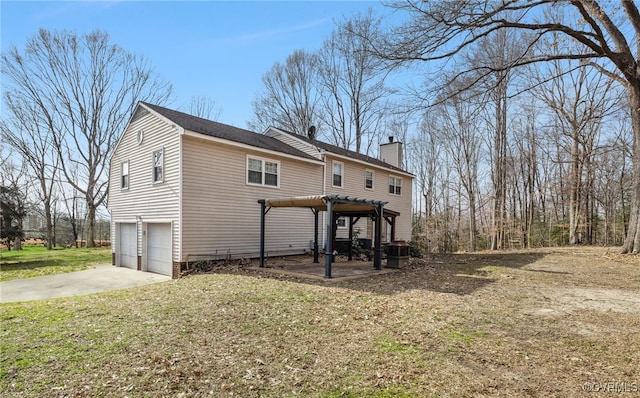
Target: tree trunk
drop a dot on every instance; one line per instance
(47, 216)
(17, 243)
(632, 240)
(472, 222)
(500, 172)
(91, 225)
(575, 178)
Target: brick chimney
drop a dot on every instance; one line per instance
(391, 152)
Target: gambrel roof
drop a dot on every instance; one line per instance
(226, 132)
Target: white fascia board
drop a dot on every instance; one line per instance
(293, 137)
(371, 165)
(248, 147)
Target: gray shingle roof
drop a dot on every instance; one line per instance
(224, 131)
(345, 152)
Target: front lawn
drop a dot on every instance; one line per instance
(38, 261)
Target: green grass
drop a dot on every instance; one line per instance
(388, 344)
(35, 261)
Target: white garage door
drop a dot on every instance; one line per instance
(128, 246)
(159, 248)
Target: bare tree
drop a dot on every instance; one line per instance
(580, 99)
(204, 107)
(424, 159)
(461, 137)
(83, 89)
(353, 79)
(13, 201)
(485, 75)
(526, 163)
(75, 214)
(290, 97)
(440, 30)
(31, 137)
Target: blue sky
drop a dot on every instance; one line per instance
(211, 48)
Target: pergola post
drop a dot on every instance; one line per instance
(315, 235)
(393, 229)
(377, 258)
(328, 253)
(262, 214)
(350, 246)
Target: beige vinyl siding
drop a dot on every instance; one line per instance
(220, 210)
(354, 185)
(144, 200)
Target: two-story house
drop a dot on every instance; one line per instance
(184, 188)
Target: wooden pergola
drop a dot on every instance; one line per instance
(336, 206)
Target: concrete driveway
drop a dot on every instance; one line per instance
(102, 278)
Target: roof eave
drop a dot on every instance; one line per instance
(195, 134)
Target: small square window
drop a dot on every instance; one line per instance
(158, 165)
(342, 222)
(124, 179)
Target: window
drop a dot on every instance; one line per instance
(368, 179)
(337, 174)
(158, 165)
(395, 185)
(124, 179)
(255, 171)
(271, 174)
(342, 222)
(263, 172)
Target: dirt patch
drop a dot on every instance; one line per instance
(566, 300)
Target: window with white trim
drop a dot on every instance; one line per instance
(124, 175)
(342, 222)
(158, 165)
(395, 185)
(338, 172)
(368, 179)
(263, 172)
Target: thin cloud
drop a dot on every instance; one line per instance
(72, 7)
(281, 31)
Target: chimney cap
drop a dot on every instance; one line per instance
(311, 132)
(391, 139)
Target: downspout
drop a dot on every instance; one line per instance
(180, 191)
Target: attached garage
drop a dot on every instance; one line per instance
(128, 245)
(159, 259)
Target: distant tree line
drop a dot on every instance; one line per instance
(521, 119)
